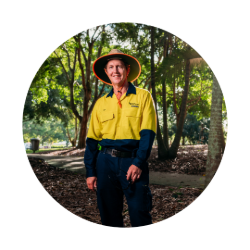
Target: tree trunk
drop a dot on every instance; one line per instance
(165, 122)
(175, 145)
(174, 101)
(83, 130)
(164, 99)
(215, 133)
(162, 151)
(72, 141)
(87, 85)
(68, 134)
(76, 130)
(87, 94)
(136, 83)
(183, 141)
(223, 144)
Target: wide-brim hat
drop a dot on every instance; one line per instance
(99, 64)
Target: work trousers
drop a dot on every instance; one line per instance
(112, 185)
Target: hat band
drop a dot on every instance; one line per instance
(114, 58)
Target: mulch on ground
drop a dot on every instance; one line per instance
(191, 159)
(70, 190)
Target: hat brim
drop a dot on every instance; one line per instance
(99, 64)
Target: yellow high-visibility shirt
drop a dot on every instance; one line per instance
(130, 128)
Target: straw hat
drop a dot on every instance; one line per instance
(99, 64)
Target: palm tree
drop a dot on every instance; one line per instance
(215, 133)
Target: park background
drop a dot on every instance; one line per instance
(57, 119)
(189, 105)
(220, 69)
(64, 91)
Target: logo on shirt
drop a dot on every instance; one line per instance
(135, 105)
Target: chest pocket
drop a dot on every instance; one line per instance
(107, 120)
(132, 123)
(132, 112)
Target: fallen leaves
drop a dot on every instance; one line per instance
(70, 190)
(189, 160)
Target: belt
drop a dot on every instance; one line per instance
(117, 153)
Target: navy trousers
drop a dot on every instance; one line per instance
(112, 185)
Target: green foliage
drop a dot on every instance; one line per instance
(48, 99)
(191, 129)
(196, 130)
(49, 131)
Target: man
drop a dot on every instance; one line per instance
(123, 123)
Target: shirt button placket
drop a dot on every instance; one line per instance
(118, 122)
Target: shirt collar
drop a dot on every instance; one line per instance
(131, 90)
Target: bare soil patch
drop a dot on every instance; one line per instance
(70, 190)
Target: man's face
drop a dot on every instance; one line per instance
(116, 71)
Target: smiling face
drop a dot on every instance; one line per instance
(116, 72)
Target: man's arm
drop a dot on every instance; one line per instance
(147, 133)
(90, 156)
(91, 152)
(145, 146)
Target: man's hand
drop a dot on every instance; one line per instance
(133, 173)
(92, 183)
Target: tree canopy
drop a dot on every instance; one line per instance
(65, 89)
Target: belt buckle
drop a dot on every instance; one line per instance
(113, 152)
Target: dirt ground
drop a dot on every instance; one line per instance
(70, 190)
(191, 159)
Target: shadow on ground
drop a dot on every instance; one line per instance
(76, 164)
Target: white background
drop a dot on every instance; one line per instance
(31, 30)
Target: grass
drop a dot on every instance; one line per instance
(29, 151)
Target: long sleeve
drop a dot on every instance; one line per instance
(147, 132)
(93, 137)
